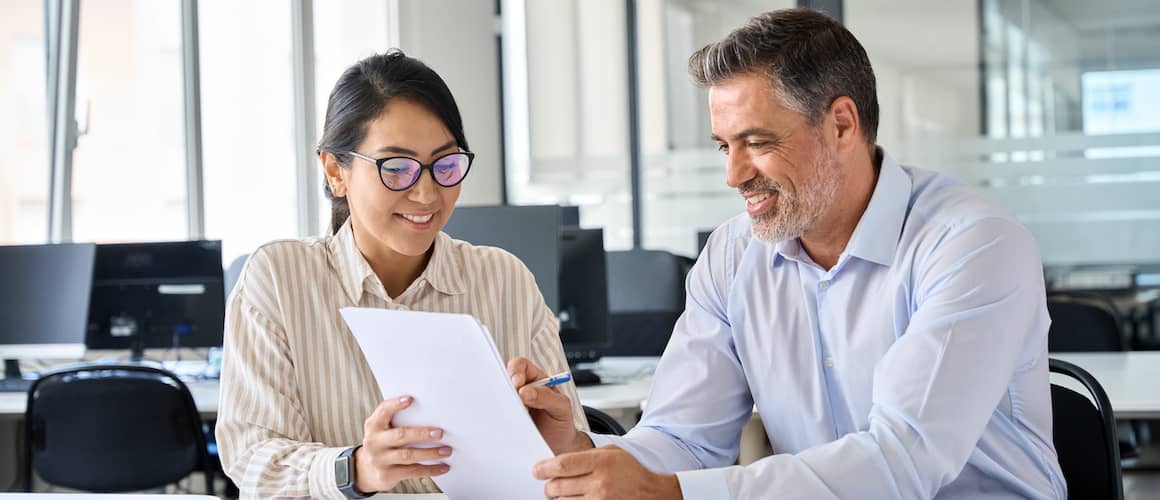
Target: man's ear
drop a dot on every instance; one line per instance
(846, 129)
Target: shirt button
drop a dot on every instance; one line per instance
(829, 362)
(401, 307)
(824, 284)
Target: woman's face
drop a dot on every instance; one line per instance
(404, 222)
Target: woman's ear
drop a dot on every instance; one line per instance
(335, 174)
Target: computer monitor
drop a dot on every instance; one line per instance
(531, 233)
(702, 240)
(43, 302)
(157, 295)
(583, 294)
(569, 215)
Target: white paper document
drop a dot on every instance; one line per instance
(450, 365)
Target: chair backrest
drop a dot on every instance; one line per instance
(602, 423)
(1085, 437)
(1081, 323)
(233, 272)
(112, 428)
(646, 295)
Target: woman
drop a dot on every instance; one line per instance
(298, 398)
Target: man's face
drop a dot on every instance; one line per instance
(782, 167)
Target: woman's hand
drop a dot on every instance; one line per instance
(387, 455)
(550, 410)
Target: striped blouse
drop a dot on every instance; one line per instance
(295, 388)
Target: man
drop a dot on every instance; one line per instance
(888, 323)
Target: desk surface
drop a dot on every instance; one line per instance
(1129, 378)
(608, 397)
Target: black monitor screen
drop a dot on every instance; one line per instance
(157, 295)
(531, 233)
(569, 216)
(44, 300)
(702, 240)
(583, 293)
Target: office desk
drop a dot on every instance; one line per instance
(1129, 378)
(610, 398)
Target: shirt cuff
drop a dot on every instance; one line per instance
(704, 484)
(599, 440)
(322, 483)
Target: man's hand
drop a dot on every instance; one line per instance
(550, 410)
(607, 473)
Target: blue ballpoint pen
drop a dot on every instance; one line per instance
(553, 380)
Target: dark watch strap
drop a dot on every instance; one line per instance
(346, 460)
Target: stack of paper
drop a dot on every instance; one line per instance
(450, 365)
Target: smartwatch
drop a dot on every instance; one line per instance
(344, 474)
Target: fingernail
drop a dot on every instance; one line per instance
(437, 433)
(444, 451)
(404, 400)
(515, 380)
(530, 396)
(444, 468)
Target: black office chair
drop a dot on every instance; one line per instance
(1085, 437)
(601, 423)
(231, 274)
(1090, 322)
(112, 428)
(1083, 323)
(646, 295)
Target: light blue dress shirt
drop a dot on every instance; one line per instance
(914, 368)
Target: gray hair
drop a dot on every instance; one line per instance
(809, 58)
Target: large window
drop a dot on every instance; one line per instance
(682, 173)
(572, 94)
(248, 157)
(129, 164)
(23, 130)
(344, 33)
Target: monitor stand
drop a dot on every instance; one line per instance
(137, 349)
(12, 369)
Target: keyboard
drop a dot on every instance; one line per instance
(15, 385)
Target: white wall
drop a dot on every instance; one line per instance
(457, 40)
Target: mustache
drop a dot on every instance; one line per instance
(759, 184)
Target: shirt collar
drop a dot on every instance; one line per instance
(355, 273)
(444, 271)
(876, 236)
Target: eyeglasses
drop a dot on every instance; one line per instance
(399, 173)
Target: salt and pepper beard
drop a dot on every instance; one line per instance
(796, 213)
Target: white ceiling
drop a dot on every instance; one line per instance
(917, 33)
(1095, 15)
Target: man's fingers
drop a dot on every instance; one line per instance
(523, 371)
(543, 398)
(565, 487)
(567, 465)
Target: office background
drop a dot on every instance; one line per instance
(155, 120)
(133, 120)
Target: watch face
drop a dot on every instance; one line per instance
(342, 471)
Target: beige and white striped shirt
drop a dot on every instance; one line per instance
(295, 386)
